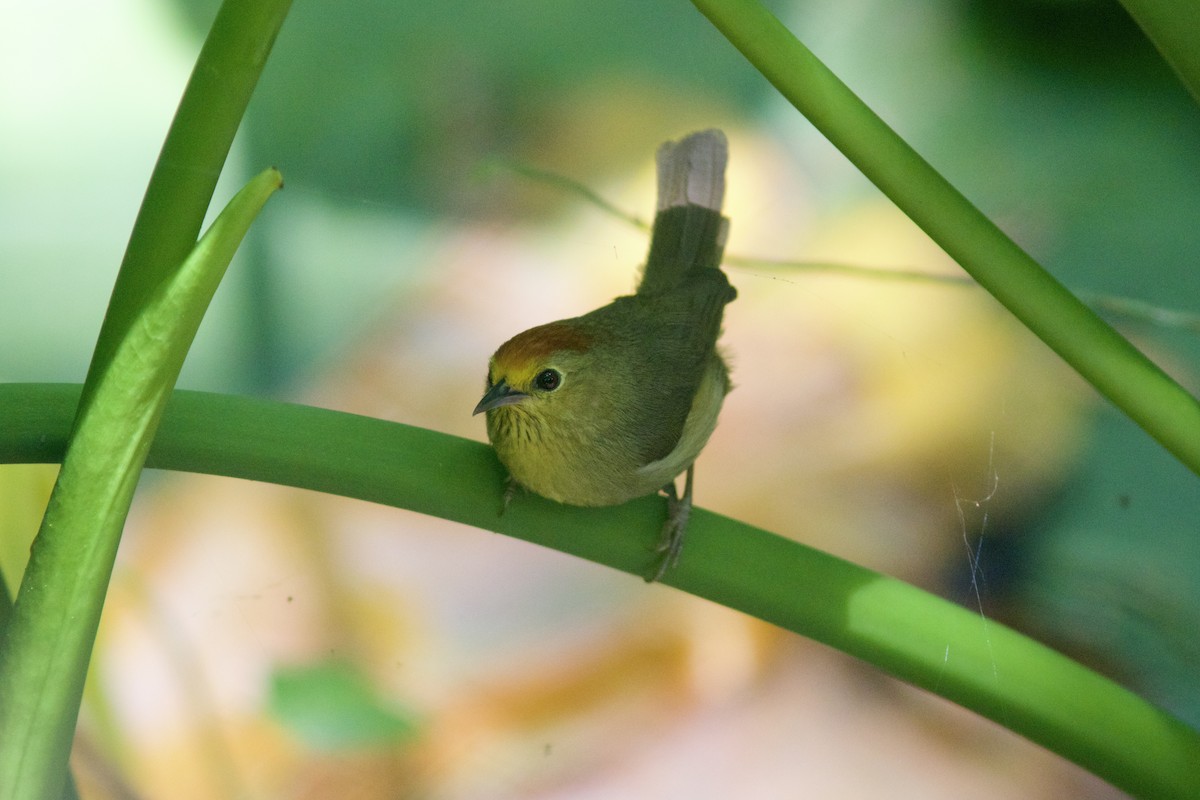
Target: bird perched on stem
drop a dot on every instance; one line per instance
(615, 404)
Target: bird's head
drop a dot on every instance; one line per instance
(534, 367)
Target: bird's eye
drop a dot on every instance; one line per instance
(548, 380)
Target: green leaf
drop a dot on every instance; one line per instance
(47, 641)
(331, 705)
(164, 285)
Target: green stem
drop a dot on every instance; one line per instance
(909, 633)
(181, 186)
(1174, 27)
(1101, 355)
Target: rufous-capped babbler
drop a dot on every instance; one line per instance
(615, 404)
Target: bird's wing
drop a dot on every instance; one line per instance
(667, 332)
(668, 340)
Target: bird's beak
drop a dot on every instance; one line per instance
(501, 394)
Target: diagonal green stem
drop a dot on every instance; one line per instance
(909, 633)
(1101, 355)
(1174, 27)
(193, 155)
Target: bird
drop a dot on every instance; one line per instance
(615, 404)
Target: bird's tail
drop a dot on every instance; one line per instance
(689, 232)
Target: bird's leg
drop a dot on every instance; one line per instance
(510, 491)
(679, 509)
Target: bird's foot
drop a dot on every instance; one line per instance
(670, 545)
(511, 487)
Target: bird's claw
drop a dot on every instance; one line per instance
(510, 491)
(670, 544)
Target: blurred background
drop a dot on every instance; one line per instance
(263, 642)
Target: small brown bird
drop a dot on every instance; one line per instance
(615, 404)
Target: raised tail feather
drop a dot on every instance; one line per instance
(689, 231)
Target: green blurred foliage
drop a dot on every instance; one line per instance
(390, 107)
(1056, 117)
(1112, 572)
(1060, 120)
(396, 102)
(1111, 145)
(330, 705)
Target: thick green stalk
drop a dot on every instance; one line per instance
(1101, 355)
(907, 632)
